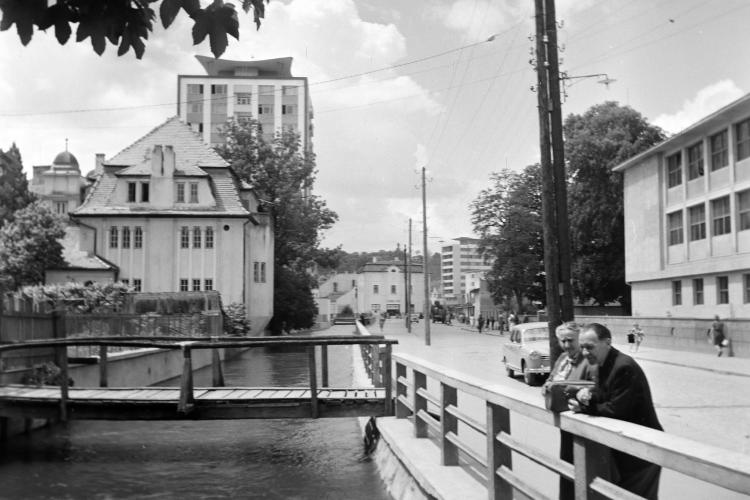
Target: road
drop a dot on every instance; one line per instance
(697, 396)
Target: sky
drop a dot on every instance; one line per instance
(396, 86)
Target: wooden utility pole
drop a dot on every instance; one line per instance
(406, 291)
(426, 306)
(408, 278)
(554, 191)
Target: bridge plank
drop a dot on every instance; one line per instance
(216, 393)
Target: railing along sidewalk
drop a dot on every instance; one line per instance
(188, 344)
(593, 437)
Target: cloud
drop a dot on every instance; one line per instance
(706, 101)
(477, 19)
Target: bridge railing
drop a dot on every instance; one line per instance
(437, 415)
(189, 344)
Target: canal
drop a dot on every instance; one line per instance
(275, 459)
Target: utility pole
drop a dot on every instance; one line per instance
(424, 262)
(554, 191)
(408, 279)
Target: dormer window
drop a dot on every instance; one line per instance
(193, 192)
(131, 192)
(180, 192)
(144, 192)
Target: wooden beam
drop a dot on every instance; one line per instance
(313, 381)
(499, 455)
(388, 380)
(324, 365)
(187, 400)
(448, 424)
(217, 375)
(103, 382)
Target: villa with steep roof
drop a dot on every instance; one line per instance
(172, 216)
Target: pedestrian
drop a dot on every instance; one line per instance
(512, 320)
(492, 322)
(718, 335)
(501, 323)
(621, 392)
(480, 323)
(635, 337)
(570, 365)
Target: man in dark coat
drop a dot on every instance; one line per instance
(621, 392)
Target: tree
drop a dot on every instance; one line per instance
(283, 174)
(125, 23)
(29, 244)
(507, 216)
(14, 187)
(601, 138)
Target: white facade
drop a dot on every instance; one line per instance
(59, 186)
(381, 287)
(259, 90)
(687, 220)
(456, 260)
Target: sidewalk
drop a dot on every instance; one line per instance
(697, 360)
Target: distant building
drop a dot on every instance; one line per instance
(60, 185)
(336, 293)
(687, 220)
(261, 90)
(462, 256)
(171, 215)
(381, 286)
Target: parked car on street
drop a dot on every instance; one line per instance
(527, 352)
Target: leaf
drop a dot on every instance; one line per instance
(191, 7)
(62, 31)
(124, 44)
(138, 47)
(201, 26)
(218, 39)
(168, 11)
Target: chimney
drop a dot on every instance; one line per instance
(157, 162)
(99, 164)
(169, 161)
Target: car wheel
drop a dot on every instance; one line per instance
(529, 378)
(508, 370)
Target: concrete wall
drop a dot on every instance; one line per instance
(686, 334)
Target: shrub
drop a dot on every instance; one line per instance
(235, 319)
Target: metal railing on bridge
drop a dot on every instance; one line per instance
(439, 414)
(187, 399)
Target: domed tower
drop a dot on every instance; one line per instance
(59, 185)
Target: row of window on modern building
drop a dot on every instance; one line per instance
(718, 146)
(722, 290)
(721, 218)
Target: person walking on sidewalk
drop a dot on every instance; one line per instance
(718, 336)
(480, 323)
(635, 337)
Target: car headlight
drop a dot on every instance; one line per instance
(535, 355)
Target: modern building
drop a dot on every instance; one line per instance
(457, 259)
(263, 90)
(60, 185)
(687, 220)
(172, 216)
(381, 286)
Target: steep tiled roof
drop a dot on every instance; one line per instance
(192, 151)
(145, 169)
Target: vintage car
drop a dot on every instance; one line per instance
(527, 352)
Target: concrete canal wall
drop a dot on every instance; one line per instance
(685, 334)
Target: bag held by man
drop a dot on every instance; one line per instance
(559, 392)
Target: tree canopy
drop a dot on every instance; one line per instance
(507, 216)
(604, 136)
(29, 244)
(14, 187)
(125, 24)
(283, 174)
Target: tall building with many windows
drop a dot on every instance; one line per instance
(687, 220)
(262, 90)
(456, 260)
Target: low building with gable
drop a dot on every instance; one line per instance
(172, 216)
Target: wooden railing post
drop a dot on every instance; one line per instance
(324, 365)
(186, 382)
(217, 375)
(62, 362)
(388, 380)
(591, 460)
(375, 362)
(498, 454)
(313, 381)
(420, 403)
(103, 382)
(448, 423)
(402, 411)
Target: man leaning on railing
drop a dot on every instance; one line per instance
(621, 392)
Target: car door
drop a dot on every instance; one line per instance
(513, 354)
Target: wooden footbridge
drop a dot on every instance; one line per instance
(201, 403)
